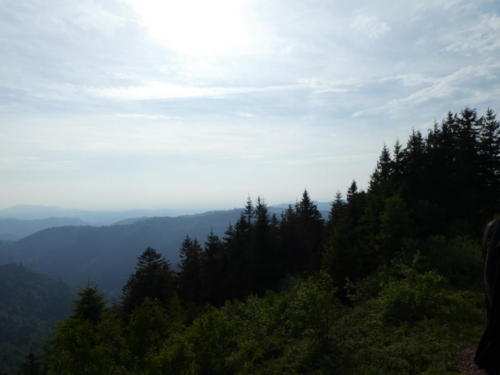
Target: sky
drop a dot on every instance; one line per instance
(198, 104)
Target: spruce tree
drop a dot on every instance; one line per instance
(213, 266)
(189, 276)
(152, 278)
(308, 234)
(90, 306)
(265, 253)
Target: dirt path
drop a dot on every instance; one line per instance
(466, 363)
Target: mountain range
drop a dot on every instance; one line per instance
(33, 212)
(15, 229)
(106, 255)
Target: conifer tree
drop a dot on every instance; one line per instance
(152, 278)
(338, 205)
(309, 234)
(213, 266)
(189, 276)
(489, 154)
(89, 306)
(265, 258)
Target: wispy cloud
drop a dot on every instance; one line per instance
(160, 90)
(481, 37)
(463, 81)
(369, 25)
(111, 85)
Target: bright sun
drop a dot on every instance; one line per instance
(196, 27)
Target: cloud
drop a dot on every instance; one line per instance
(36, 164)
(426, 5)
(100, 85)
(369, 25)
(482, 37)
(244, 114)
(448, 85)
(160, 90)
(461, 85)
(146, 116)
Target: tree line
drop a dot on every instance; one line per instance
(425, 206)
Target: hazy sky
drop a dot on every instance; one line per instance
(182, 104)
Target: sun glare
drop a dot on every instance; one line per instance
(196, 27)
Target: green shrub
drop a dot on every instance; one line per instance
(418, 296)
(458, 259)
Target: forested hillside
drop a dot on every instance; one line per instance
(390, 283)
(30, 304)
(105, 255)
(79, 254)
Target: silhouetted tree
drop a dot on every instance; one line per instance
(189, 276)
(90, 306)
(152, 278)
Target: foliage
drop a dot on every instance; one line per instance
(416, 324)
(30, 304)
(388, 285)
(457, 258)
(416, 297)
(148, 327)
(89, 306)
(280, 333)
(80, 347)
(152, 279)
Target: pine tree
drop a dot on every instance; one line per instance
(152, 278)
(241, 258)
(380, 178)
(90, 306)
(308, 234)
(213, 266)
(288, 244)
(264, 249)
(381, 186)
(189, 276)
(338, 205)
(489, 154)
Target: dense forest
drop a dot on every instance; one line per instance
(30, 305)
(390, 283)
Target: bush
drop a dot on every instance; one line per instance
(418, 296)
(458, 259)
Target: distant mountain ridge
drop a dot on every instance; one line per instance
(33, 212)
(106, 255)
(21, 221)
(15, 229)
(105, 217)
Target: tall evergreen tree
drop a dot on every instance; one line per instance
(309, 231)
(152, 278)
(90, 305)
(489, 154)
(338, 205)
(266, 252)
(241, 257)
(213, 271)
(189, 276)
